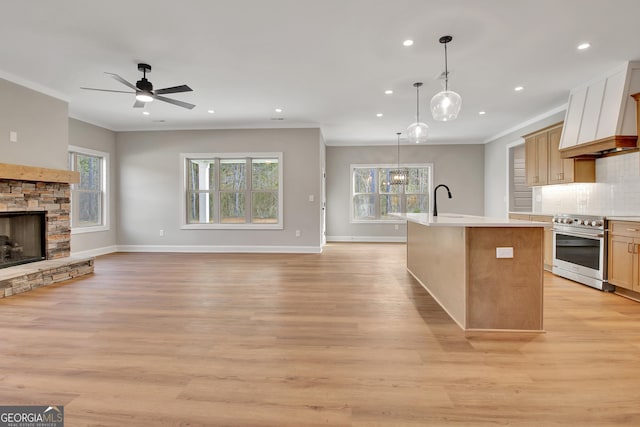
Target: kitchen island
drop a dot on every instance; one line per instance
(486, 273)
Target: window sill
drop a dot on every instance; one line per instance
(231, 227)
(95, 229)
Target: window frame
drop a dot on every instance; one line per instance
(105, 191)
(185, 225)
(403, 195)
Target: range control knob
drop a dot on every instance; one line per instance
(567, 221)
(596, 223)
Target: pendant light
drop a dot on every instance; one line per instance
(417, 132)
(398, 176)
(445, 105)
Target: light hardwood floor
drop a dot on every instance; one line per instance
(345, 338)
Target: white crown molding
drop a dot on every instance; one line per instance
(524, 124)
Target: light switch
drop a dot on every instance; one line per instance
(504, 252)
(311, 198)
(13, 136)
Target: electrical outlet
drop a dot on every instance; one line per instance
(397, 227)
(504, 252)
(298, 233)
(161, 233)
(13, 136)
(312, 198)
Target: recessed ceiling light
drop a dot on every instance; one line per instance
(278, 110)
(379, 115)
(210, 111)
(518, 88)
(482, 113)
(388, 92)
(146, 113)
(407, 42)
(583, 46)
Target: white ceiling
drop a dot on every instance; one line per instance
(326, 63)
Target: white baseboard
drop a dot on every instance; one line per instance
(95, 252)
(221, 249)
(364, 239)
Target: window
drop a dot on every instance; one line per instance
(89, 196)
(374, 199)
(232, 190)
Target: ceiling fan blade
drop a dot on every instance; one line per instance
(175, 89)
(174, 102)
(123, 81)
(105, 90)
(138, 104)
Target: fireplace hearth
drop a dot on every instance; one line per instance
(22, 238)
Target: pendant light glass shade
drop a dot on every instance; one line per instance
(418, 132)
(445, 105)
(398, 176)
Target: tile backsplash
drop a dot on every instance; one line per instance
(615, 192)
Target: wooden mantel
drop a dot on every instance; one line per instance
(33, 173)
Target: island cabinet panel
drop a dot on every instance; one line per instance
(484, 277)
(445, 271)
(504, 293)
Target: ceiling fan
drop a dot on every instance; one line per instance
(144, 90)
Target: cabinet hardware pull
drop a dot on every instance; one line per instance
(629, 248)
(635, 248)
(632, 229)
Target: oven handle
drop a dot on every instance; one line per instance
(573, 233)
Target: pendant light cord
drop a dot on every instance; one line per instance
(446, 70)
(417, 103)
(398, 151)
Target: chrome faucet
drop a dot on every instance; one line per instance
(435, 199)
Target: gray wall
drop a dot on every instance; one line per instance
(41, 122)
(85, 135)
(149, 189)
(461, 167)
(495, 165)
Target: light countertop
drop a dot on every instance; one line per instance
(623, 218)
(459, 220)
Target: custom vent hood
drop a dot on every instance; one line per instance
(603, 115)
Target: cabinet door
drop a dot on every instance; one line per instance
(621, 261)
(560, 170)
(531, 161)
(542, 149)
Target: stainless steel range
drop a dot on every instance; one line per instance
(580, 249)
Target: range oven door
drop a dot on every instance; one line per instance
(580, 257)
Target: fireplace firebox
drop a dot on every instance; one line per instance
(22, 237)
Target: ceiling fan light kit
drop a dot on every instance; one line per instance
(144, 92)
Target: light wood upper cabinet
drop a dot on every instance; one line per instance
(546, 166)
(536, 154)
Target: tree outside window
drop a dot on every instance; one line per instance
(374, 198)
(234, 192)
(88, 197)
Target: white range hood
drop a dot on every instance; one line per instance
(602, 117)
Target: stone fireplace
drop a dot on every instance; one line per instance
(46, 193)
